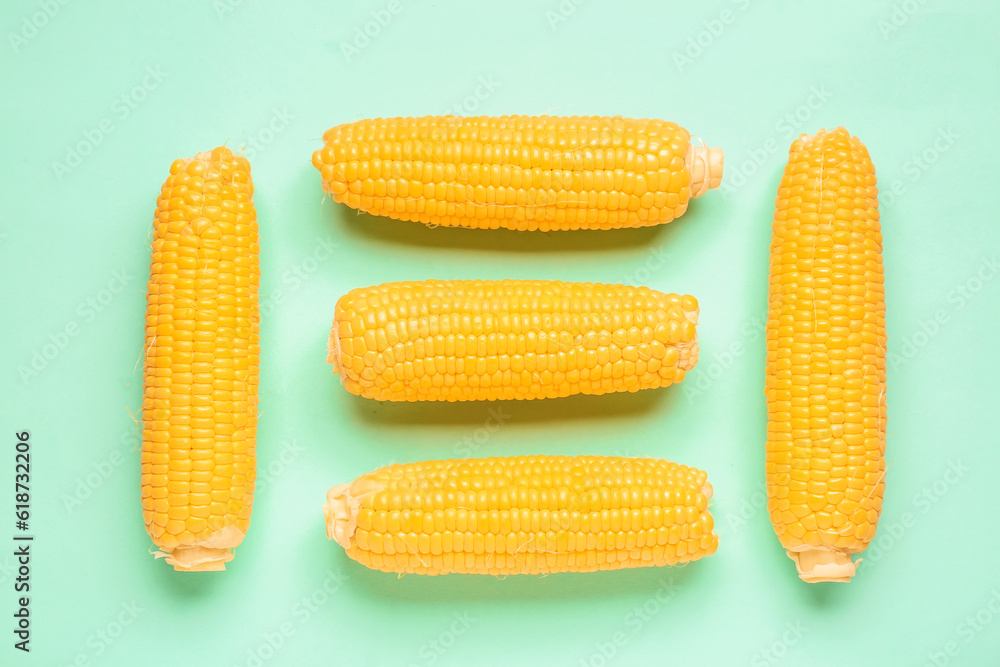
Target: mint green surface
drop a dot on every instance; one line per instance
(916, 81)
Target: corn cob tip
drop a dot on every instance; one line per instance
(333, 348)
(705, 165)
(209, 555)
(821, 564)
(340, 523)
(341, 509)
(807, 138)
(823, 135)
(199, 559)
(219, 154)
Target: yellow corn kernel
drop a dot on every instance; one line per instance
(826, 357)
(463, 340)
(524, 515)
(518, 172)
(202, 359)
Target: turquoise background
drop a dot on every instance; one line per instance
(136, 85)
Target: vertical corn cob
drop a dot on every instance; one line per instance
(523, 515)
(826, 357)
(201, 371)
(461, 340)
(518, 172)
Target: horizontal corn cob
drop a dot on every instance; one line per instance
(523, 515)
(461, 340)
(518, 172)
(199, 409)
(826, 357)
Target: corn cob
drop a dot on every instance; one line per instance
(201, 371)
(523, 515)
(518, 172)
(826, 357)
(462, 340)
